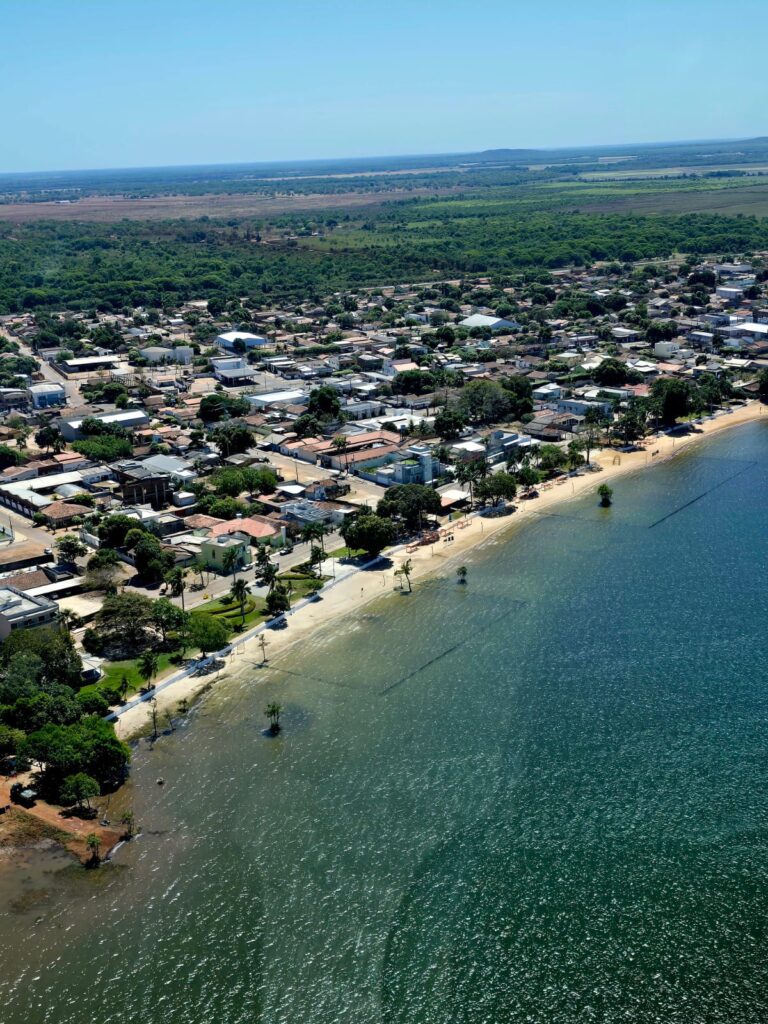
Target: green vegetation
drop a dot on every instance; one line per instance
(48, 716)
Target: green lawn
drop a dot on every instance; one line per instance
(346, 552)
(115, 670)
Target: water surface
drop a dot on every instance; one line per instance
(540, 797)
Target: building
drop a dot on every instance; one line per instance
(64, 513)
(213, 551)
(30, 496)
(88, 364)
(240, 341)
(23, 611)
(48, 395)
(143, 485)
(130, 419)
(495, 323)
(159, 354)
(14, 399)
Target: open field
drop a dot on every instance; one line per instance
(748, 199)
(109, 209)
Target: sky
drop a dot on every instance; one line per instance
(114, 83)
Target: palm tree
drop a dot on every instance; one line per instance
(461, 574)
(405, 570)
(200, 568)
(314, 531)
(176, 580)
(93, 842)
(263, 642)
(272, 711)
(69, 619)
(239, 592)
(128, 821)
(148, 665)
(230, 562)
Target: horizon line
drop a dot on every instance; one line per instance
(378, 157)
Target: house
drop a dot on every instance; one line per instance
(240, 341)
(550, 392)
(23, 611)
(259, 530)
(63, 513)
(47, 396)
(581, 406)
(214, 551)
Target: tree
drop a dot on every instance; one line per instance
(93, 843)
(266, 570)
(176, 581)
(239, 593)
(449, 423)
(70, 547)
(606, 495)
(405, 571)
(461, 574)
(102, 570)
(232, 437)
(217, 406)
(552, 458)
(575, 454)
(409, 502)
(278, 600)
(527, 476)
(125, 620)
(207, 632)
(484, 401)
(273, 711)
(471, 473)
(314, 531)
(230, 561)
(593, 426)
(762, 382)
(49, 438)
(673, 396)
(79, 789)
(166, 617)
(9, 456)
(148, 665)
(497, 487)
(371, 533)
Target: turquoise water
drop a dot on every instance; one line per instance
(538, 798)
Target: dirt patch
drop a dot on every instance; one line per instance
(108, 209)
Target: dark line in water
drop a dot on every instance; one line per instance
(449, 650)
(747, 465)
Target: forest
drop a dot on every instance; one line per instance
(75, 266)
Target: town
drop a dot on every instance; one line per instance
(176, 479)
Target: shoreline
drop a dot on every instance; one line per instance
(344, 597)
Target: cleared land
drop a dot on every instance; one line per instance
(108, 209)
(750, 200)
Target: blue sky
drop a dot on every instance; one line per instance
(89, 84)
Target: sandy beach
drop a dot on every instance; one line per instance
(349, 595)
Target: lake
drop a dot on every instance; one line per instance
(540, 797)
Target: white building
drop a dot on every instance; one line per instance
(131, 419)
(228, 340)
(20, 610)
(47, 396)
